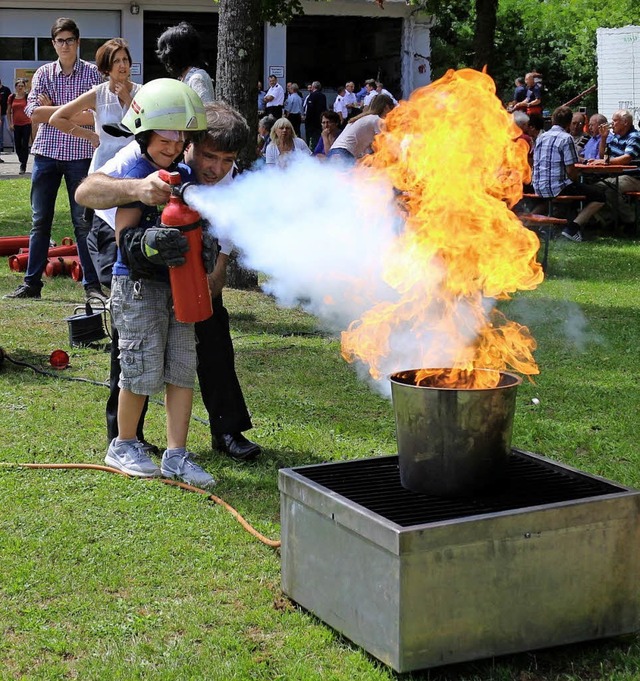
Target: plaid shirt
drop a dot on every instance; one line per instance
(554, 151)
(627, 144)
(50, 80)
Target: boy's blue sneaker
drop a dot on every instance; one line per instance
(131, 458)
(181, 467)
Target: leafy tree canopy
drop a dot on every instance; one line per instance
(555, 37)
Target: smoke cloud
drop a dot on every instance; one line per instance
(320, 232)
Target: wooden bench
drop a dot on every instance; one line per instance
(563, 199)
(543, 224)
(635, 197)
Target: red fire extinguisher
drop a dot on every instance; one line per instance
(189, 286)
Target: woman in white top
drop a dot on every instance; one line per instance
(109, 102)
(179, 50)
(284, 144)
(357, 137)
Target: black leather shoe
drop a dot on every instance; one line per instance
(237, 446)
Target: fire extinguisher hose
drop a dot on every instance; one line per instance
(174, 483)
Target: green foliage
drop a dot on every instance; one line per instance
(281, 11)
(556, 37)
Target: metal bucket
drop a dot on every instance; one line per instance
(452, 441)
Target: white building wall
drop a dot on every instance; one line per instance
(416, 52)
(275, 54)
(618, 51)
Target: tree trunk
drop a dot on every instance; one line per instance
(239, 28)
(485, 33)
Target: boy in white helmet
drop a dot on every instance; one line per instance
(156, 350)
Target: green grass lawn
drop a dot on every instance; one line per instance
(107, 578)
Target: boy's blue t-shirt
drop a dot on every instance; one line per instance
(150, 214)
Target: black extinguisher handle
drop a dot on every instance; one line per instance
(182, 189)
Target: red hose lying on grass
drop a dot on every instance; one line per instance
(190, 488)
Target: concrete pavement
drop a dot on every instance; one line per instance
(11, 166)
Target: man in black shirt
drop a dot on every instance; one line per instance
(315, 104)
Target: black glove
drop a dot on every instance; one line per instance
(209, 251)
(165, 246)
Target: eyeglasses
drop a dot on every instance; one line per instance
(65, 41)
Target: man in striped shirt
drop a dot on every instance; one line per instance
(58, 155)
(624, 148)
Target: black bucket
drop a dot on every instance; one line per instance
(453, 442)
(86, 328)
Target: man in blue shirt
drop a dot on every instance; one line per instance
(624, 147)
(591, 149)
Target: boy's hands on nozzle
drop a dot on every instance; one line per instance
(165, 246)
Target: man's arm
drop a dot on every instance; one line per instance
(218, 278)
(100, 191)
(572, 173)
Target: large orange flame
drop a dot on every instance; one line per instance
(451, 151)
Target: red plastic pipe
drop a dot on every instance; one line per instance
(10, 245)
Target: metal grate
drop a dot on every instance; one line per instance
(375, 485)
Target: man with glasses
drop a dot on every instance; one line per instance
(58, 155)
(624, 149)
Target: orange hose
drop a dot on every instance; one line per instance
(183, 485)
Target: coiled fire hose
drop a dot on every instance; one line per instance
(107, 469)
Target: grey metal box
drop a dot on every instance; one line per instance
(483, 585)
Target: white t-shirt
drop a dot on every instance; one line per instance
(357, 137)
(121, 163)
(273, 156)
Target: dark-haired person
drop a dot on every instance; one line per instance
(274, 99)
(109, 101)
(57, 155)
(212, 161)
(179, 49)
(330, 133)
(371, 92)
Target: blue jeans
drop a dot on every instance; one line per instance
(46, 177)
(4, 125)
